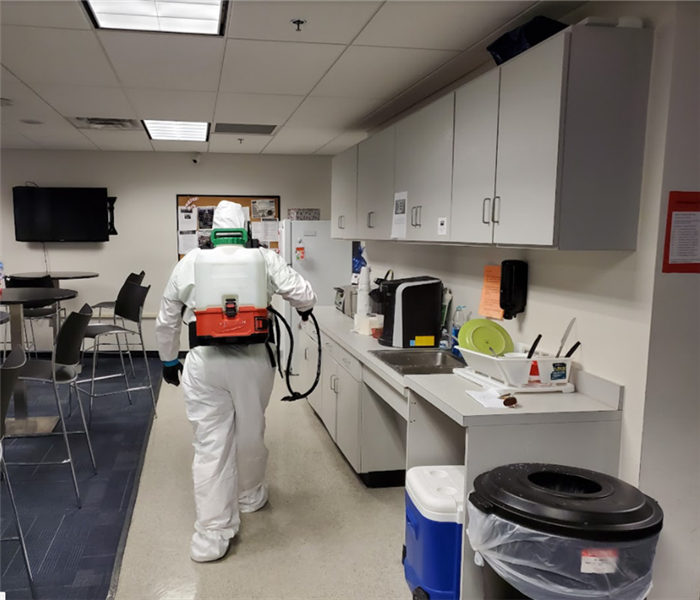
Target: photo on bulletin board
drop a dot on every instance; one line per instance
(195, 219)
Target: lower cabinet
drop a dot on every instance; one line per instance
(367, 430)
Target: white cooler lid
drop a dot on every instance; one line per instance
(438, 492)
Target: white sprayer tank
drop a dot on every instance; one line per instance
(230, 271)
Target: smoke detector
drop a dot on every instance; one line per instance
(102, 124)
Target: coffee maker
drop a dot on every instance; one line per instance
(411, 309)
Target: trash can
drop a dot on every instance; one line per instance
(551, 532)
(434, 529)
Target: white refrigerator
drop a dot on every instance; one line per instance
(326, 263)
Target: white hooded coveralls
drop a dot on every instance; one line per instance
(227, 389)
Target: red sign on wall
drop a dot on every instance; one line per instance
(682, 244)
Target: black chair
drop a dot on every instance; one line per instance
(63, 369)
(128, 307)
(9, 373)
(35, 311)
(136, 279)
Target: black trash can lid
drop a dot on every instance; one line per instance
(567, 501)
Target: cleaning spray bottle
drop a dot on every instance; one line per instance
(458, 320)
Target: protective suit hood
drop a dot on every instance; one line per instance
(229, 215)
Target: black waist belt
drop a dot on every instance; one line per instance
(206, 340)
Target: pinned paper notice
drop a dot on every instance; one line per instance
(267, 231)
(490, 305)
(398, 221)
(187, 218)
(187, 240)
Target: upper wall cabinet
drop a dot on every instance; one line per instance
(344, 195)
(424, 169)
(559, 162)
(375, 185)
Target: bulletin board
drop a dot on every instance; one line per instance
(195, 213)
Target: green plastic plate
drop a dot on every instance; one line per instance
(480, 334)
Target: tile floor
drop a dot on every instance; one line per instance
(323, 534)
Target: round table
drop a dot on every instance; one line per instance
(57, 275)
(15, 298)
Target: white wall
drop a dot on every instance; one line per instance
(146, 184)
(670, 470)
(609, 293)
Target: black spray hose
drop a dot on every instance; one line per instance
(288, 370)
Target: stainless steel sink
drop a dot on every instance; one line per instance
(419, 361)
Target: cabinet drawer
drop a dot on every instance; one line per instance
(348, 362)
(387, 393)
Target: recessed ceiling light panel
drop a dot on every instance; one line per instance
(204, 17)
(180, 131)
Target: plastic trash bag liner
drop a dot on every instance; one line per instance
(549, 567)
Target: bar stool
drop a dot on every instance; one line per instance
(136, 279)
(128, 307)
(9, 373)
(63, 369)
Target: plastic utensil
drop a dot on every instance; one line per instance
(534, 346)
(570, 353)
(478, 334)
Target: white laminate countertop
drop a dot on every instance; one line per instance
(448, 393)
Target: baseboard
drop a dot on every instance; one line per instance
(383, 479)
(106, 353)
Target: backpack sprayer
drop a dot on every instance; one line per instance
(231, 301)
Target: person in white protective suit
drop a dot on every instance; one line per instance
(227, 389)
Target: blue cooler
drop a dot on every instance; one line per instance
(434, 531)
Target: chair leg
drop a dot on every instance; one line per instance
(70, 401)
(87, 433)
(128, 349)
(65, 439)
(148, 372)
(31, 328)
(92, 381)
(20, 534)
(121, 357)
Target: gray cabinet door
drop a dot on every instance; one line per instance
(329, 400)
(348, 417)
(344, 194)
(375, 185)
(424, 169)
(529, 135)
(474, 177)
(307, 372)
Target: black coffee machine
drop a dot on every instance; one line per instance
(411, 309)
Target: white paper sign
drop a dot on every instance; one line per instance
(490, 398)
(187, 218)
(398, 221)
(187, 240)
(600, 561)
(685, 238)
(442, 226)
(266, 231)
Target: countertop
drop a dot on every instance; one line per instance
(448, 393)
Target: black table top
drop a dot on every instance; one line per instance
(23, 295)
(56, 275)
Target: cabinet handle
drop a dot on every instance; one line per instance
(496, 209)
(369, 220)
(414, 210)
(419, 216)
(486, 212)
(306, 354)
(341, 224)
(331, 383)
(347, 362)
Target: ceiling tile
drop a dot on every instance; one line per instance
(333, 22)
(297, 140)
(438, 25)
(7, 78)
(335, 113)
(266, 109)
(55, 56)
(364, 72)
(252, 144)
(275, 67)
(119, 140)
(342, 142)
(173, 105)
(9, 140)
(27, 105)
(163, 61)
(161, 146)
(73, 101)
(63, 139)
(60, 14)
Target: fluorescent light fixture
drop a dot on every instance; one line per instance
(180, 131)
(174, 16)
